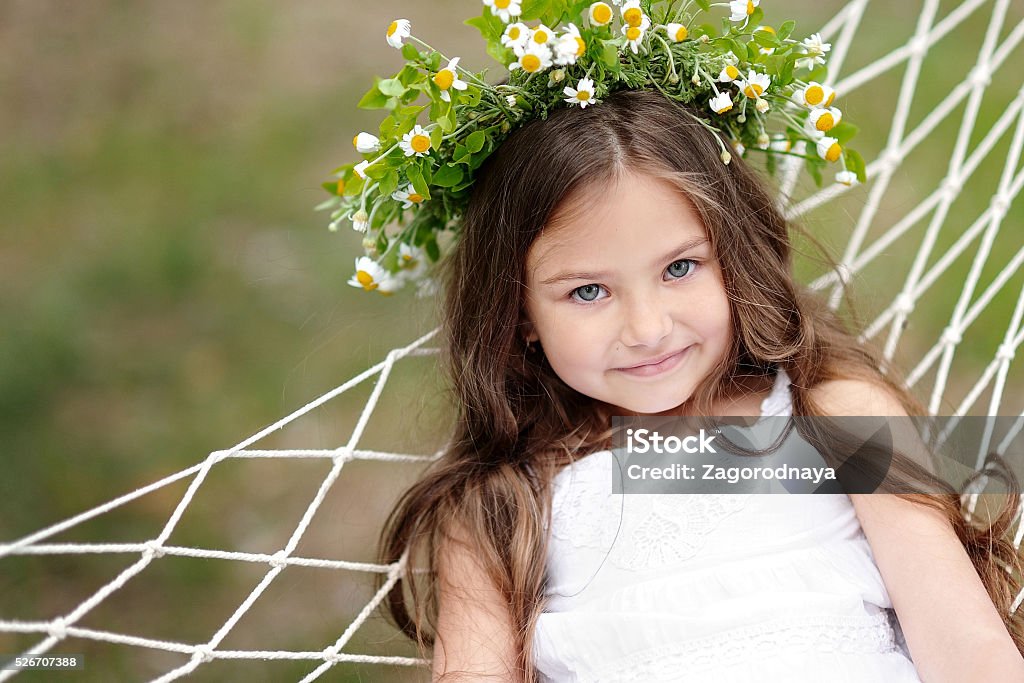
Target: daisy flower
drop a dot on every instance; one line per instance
(847, 178)
(515, 36)
(824, 119)
(541, 35)
(762, 105)
(829, 149)
(412, 262)
(398, 30)
(635, 34)
(729, 74)
(767, 29)
(755, 84)
(780, 145)
(677, 32)
(721, 103)
(360, 221)
(741, 9)
(816, 95)
(447, 78)
(408, 196)
(534, 58)
(505, 9)
(582, 94)
(632, 15)
(366, 143)
(390, 284)
(600, 14)
(816, 50)
(416, 141)
(360, 168)
(369, 274)
(569, 47)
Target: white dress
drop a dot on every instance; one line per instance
(712, 587)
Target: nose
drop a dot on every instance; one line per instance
(647, 322)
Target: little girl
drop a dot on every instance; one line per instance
(612, 238)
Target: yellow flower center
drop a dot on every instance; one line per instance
(750, 7)
(531, 63)
(581, 46)
(731, 71)
(769, 29)
(444, 79)
(753, 90)
(415, 199)
(514, 32)
(825, 122)
(681, 34)
(814, 94)
(341, 187)
(502, 4)
(420, 143)
(833, 152)
(366, 280)
(601, 13)
(355, 140)
(582, 96)
(540, 37)
(831, 97)
(632, 33)
(724, 109)
(392, 28)
(633, 16)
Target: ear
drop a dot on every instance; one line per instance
(528, 332)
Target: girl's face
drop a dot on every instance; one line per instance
(627, 280)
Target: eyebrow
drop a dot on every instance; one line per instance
(591, 275)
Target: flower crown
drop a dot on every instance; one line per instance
(416, 179)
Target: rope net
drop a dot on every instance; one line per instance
(969, 277)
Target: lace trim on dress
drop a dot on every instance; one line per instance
(820, 634)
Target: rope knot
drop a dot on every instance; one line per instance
(153, 549)
(951, 188)
(951, 337)
(204, 653)
(1005, 353)
(903, 304)
(278, 559)
(980, 76)
(330, 654)
(59, 628)
(843, 271)
(1001, 204)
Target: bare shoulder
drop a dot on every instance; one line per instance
(854, 396)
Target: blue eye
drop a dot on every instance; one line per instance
(587, 290)
(689, 266)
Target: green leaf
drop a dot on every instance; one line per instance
(374, 98)
(610, 54)
(756, 18)
(475, 141)
(462, 154)
(387, 127)
(704, 5)
(490, 26)
(844, 132)
(435, 137)
(786, 76)
(410, 75)
(448, 175)
(738, 49)
(786, 29)
(709, 30)
(855, 163)
(376, 171)
(416, 178)
(447, 120)
(766, 39)
(819, 74)
(410, 52)
(432, 249)
(814, 166)
(389, 183)
(391, 87)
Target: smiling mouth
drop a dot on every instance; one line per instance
(657, 367)
(656, 361)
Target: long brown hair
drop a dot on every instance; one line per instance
(517, 422)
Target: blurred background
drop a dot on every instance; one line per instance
(167, 290)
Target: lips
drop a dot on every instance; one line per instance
(653, 361)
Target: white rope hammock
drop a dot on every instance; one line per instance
(992, 276)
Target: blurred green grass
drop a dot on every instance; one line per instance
(168, 291)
